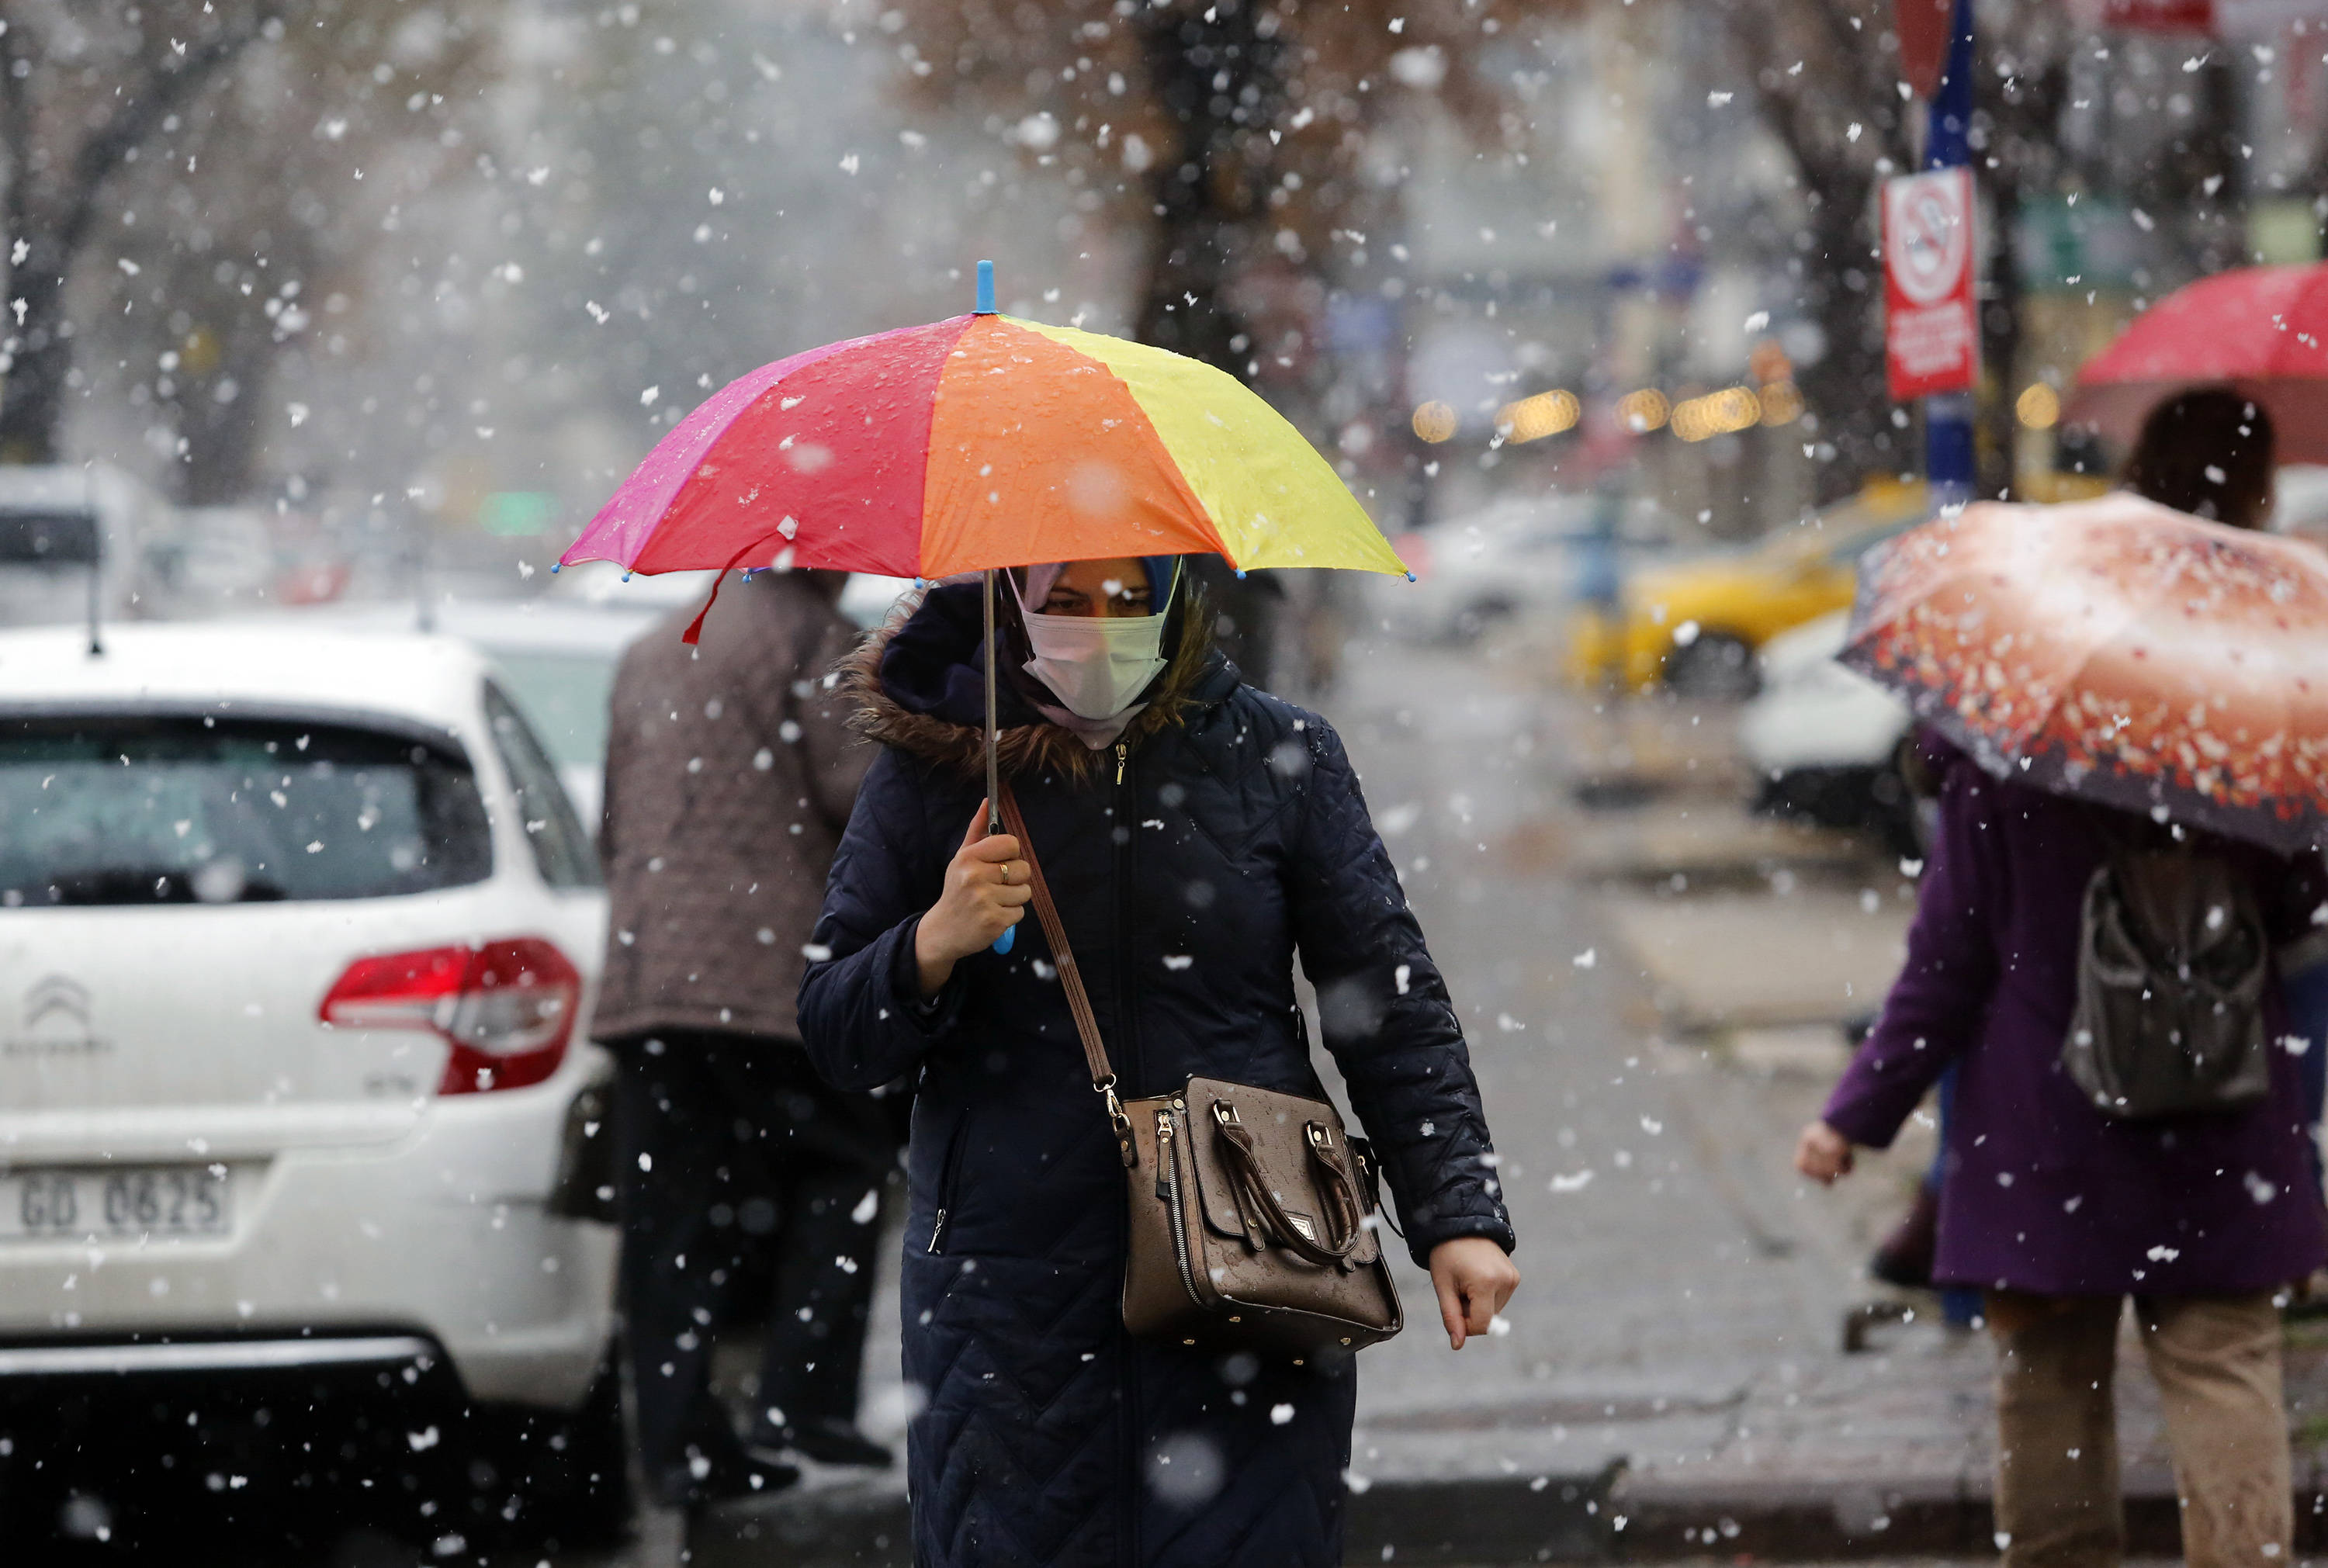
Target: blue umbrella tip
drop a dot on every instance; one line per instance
(554, 565)
(1240, 573)
(1410, 577)
(627, 577)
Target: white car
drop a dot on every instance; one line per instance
(298, 940)
(2300, 501)
(1521, 553)
(1823, 741)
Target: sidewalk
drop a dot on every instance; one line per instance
(1672, 1382)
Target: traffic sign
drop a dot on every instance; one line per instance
(1931, 322)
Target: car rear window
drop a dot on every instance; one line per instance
(565, 696)
(562, 852)
(172, 809)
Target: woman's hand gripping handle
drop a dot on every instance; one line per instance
(986, 894)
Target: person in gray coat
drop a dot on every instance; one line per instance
(730, 774)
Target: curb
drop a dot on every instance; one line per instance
(1830, 1521)
(1476, 1520)
(1469, 1520)
(1608, 1517)
(847, 1525)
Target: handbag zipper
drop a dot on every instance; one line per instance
(1167, 1154)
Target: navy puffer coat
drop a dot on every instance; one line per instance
(1191, 866)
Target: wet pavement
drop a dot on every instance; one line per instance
(1678, 1276)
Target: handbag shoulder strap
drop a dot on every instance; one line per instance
(1071, 980)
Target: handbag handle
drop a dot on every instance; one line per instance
(1071, 980)
(1337, 1188)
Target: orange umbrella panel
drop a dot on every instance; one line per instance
(1038, 452)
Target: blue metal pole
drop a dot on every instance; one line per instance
(1948, 454)
(1948, 415)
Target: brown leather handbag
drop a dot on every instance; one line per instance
(1253, 1214)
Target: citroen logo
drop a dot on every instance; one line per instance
(55, 1022)
(57, 994)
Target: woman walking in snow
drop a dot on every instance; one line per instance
(2059, 1207)
(1197, 836)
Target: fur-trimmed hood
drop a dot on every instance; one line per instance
(919, 686)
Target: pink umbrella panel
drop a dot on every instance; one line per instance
(2261, 331)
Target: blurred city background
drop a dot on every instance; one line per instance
(381, 305)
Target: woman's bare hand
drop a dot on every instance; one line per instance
(1822, 1154)
(986, 894)
(1474, 1278)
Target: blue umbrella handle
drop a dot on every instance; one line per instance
(1004, 943)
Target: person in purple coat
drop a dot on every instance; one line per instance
(2058, 1213)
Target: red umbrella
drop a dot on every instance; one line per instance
(2118, 652)
(2262, 330)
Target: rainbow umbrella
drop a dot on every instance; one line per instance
(976, 443)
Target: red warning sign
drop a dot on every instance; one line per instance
(2160, 15)
(1931, 320)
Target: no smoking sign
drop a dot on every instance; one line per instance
(1931, 336)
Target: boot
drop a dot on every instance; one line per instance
(1904, 1258)
(828, 1439)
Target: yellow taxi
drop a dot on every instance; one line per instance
(1696, 624)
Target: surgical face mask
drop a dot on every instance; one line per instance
(1098, 665)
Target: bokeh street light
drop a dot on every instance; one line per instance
(2037, 408)
(1535, 418)
(1643, 411)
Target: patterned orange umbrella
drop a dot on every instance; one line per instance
(2118, 652)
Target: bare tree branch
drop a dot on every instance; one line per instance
(162, 89)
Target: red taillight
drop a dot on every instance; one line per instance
(506, 1008)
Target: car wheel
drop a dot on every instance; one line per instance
(1472, 621)
(1716, 667)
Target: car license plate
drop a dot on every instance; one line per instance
(115, 1203)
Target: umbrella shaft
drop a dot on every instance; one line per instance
(994, 768)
